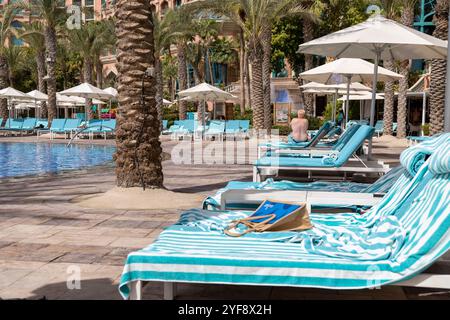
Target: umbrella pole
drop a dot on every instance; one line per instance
(347, 102)
(360, 110)
(203, 118)
(424, 111)
(373, 102)
(333, 116)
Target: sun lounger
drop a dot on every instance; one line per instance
(232, 129)
(321, 133)
(381, 186)
(29, 124)
(216, 129)
(13, 124)
(1, 122)
(391, 244)
(337, 160)
(56, 126)
(92, 128)
(108, 127)
(164, 125)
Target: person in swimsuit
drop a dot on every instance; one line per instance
(300, 127)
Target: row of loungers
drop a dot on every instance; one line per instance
(339, 155)
(76, 128)
(397, 240)
(216, 129)
(22, 126)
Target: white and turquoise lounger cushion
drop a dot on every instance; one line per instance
(395, 240)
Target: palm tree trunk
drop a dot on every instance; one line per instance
(3, 84)
(257, 87)
(211, 75)
(438, 71)
(308, 35)
(99, 73)
(407, 19)
(182, 77)
(87, 72)
(267, 70)
(402, 100)
(40, 62)
(248, 81)
(138, 156)
(388, 116)
(50, 44)
(242, 71)
(159, 88)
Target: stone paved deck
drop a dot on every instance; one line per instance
(43, 236)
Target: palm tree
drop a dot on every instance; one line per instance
(184, 33)
(165, 31)
(89, 41)
(255, 18)
(391, 10)
(33, 34)
(407, 19)
(438, 70)
(308, 35)
(51, 14)
(106, 41)
(6, 19)
(16, 62)
(138, 156)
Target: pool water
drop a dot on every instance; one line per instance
(23, 159)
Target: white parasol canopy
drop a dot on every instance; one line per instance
(112, 91)
(11, 93)
(167, 102)
(348, 70)
(88, 91)
(357, 97)
(377, 38)
(205, 92)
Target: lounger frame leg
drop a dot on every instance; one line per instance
(170, 290)
(136, 290)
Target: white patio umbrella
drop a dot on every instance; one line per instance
(11, 93)
(167, 102)
(205, 92)
(335, 89)
(348, 69)
(377, 38)
(87, 91)
(112, 91)
(362, 97)
(37, 96)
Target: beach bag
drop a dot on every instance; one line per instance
(274, 217)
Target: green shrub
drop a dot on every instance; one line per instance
(247, 116)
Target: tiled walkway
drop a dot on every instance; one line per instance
(45, 240)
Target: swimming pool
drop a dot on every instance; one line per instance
(23, 159)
